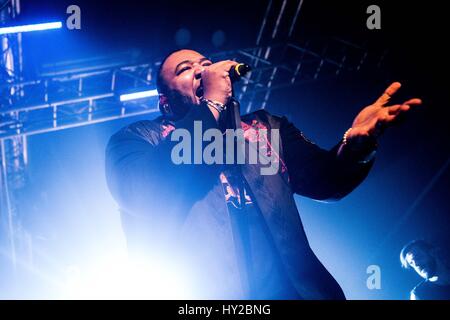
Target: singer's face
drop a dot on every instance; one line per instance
(182, 74)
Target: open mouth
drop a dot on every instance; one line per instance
(199, 92)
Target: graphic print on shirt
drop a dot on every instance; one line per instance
(252, 135)
(232, 193)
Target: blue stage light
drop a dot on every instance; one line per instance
(138, 95)
(31, 27)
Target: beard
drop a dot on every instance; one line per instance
(179, 104)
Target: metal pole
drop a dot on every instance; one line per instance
(9, 209)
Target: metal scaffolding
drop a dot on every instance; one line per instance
(77, 97)
(13, 150)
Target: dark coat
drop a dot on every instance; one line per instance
(161, 201)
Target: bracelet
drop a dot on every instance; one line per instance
(220, 107)
(366, 153)
(344, 138)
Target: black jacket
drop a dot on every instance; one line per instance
(159, 199)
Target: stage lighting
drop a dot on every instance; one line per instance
(119, 277)
(31, 27)
(138, 95)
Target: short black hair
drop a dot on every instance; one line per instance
(421, 244)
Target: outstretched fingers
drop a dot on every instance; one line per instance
(388, 93)
(398, 108)
(413, 102)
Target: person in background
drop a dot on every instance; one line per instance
(429, 262)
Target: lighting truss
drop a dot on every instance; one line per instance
(79, 96)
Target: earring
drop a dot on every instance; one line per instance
(166, 108)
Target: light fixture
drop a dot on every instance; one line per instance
(31, 27)
(138, 95)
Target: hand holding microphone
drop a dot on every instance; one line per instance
(217, 86)
(217, 80)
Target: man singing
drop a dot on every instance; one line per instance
(238, 230)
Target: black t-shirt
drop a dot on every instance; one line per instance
(427, 290)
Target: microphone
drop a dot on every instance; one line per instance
(233, 113)
(238, 71)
